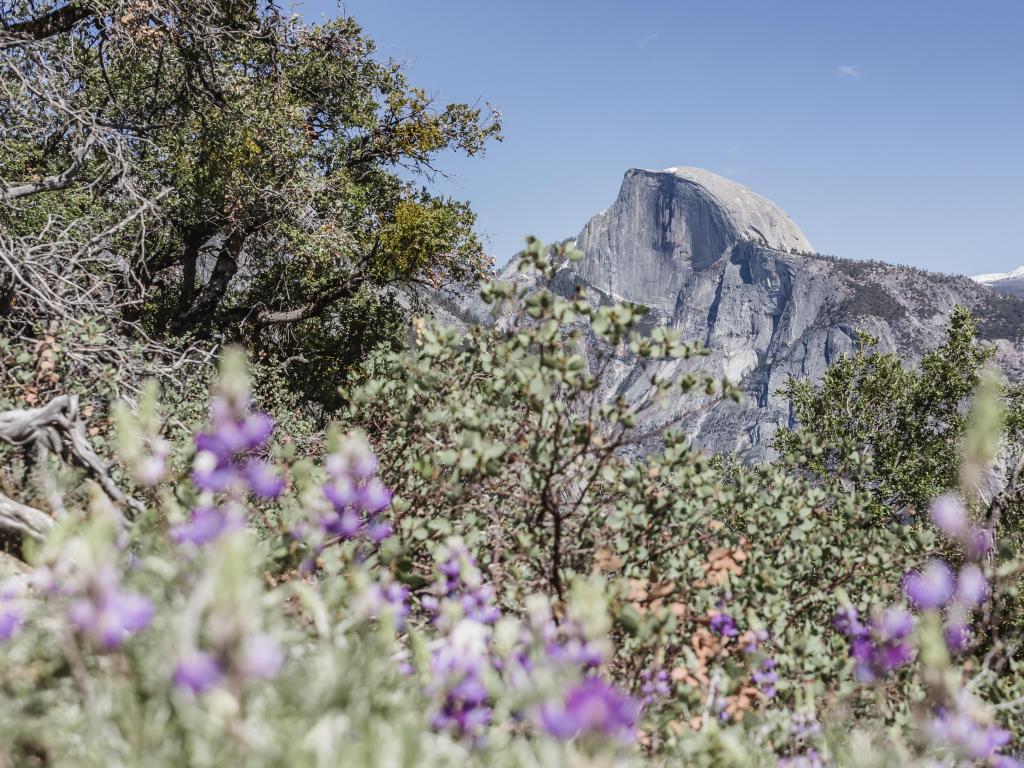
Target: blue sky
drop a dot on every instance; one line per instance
(888, 130)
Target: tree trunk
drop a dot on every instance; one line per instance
(195, 238)
(202, 312)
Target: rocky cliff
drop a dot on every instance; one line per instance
(730, 269)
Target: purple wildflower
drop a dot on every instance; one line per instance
(459, 580)
(262, 658)
(971, 588)
(722, 624)
(396, 595)
(457, 666)
(804, 726)
(373, 496)
(347, 524)
(891, 629)
(567, 646)
(356, 496)
(592, 707)
(362, 461)
(754, 639)
(957, 633)
(224, 451)
(234, 428)
(355, 459)
(211, 472)
(378, 531)
(340, 492)
(765, 677)
(262, 479)
(111, 616)
(206, 525)
(461, 717)
(949, 516)
(721, 708)
(197, 671)
(654, 686)
(384, 600)
(12, 612)
(880, 648)
(256, 429)
(11, 619)
(959, 730)
(847, 622)
(931, 587)
(893, 624)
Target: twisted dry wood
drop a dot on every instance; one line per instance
(57, 428)
(21, 519)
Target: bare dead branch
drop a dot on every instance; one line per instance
(312, 309)
(58, 428)
(23, 520)
(62, 180)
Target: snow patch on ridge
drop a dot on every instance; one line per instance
(996, 277)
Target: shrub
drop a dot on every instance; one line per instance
(497, 582)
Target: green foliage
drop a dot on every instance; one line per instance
(887, 429)
(459, 418)
(873, 300)
(283, 164)
(503, 438)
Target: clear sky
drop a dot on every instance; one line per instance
(888, 129)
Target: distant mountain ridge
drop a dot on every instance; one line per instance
(1005, 282)
(730, 269)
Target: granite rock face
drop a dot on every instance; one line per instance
(731, 270)
(666, 226)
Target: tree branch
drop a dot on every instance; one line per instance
(24, 520)
(55, 22)
(61, 180)
(343, 290)
(57, 428)
(196, 237)
(216, 287)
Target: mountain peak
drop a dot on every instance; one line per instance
(755, 217)
(1003, 282)
(995, 277)
(712, 260)
(667, 224)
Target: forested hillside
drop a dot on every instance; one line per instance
(259, 507)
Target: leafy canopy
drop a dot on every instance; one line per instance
(883, 427)
(266, 172)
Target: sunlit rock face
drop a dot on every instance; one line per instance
(667, 225)
(730, 269)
